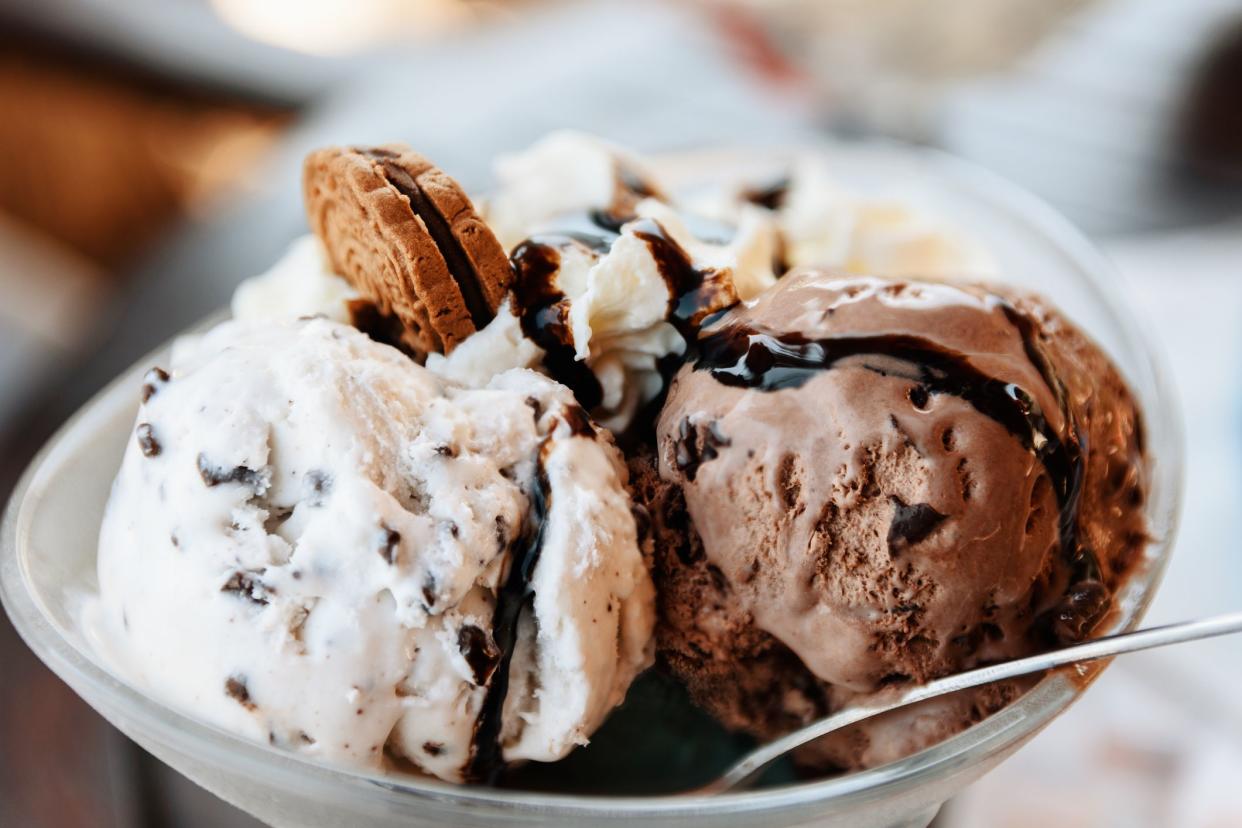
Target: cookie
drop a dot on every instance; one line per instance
(408, 238)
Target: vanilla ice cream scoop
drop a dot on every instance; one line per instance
(315, 542)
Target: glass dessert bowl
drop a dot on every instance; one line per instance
(51, 529)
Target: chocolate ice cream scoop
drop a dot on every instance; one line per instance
(861, 483)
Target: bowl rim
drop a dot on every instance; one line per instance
(995, 734)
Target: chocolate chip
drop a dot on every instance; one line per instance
(578, 420)
(948, 440)
(235, 688)
(429, 590)
(276, 517)
(247, 586)
(298, 619)
(146, 440)
(911, 524)
(696, 444)
(390, 542)
(536, 407)
(152, 381)
(320, 483)
(967, 643)
(788, 485)
(1079, 611)
(445, 450)
(480, 652)
(964, 478)
(215, 475)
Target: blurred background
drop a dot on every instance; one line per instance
(149, 161)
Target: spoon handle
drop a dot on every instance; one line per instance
(755, 761)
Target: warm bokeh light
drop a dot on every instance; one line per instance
(338, 27)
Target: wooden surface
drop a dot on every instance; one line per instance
(112, 158)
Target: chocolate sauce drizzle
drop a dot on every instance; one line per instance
(754, 358)
(750, 357)
(543, 309)
(694, 296)
(480, 651)
(1087, 598)
(544, 314)
(514, 597)
(491, 657)
(632, 183)
(1085, 561)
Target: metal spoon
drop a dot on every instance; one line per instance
(748, 767)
